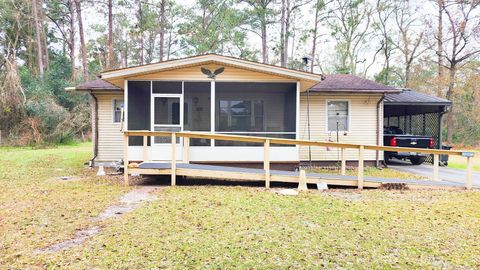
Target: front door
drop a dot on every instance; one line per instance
(167, 115)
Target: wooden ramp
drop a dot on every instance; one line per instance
(250, 174)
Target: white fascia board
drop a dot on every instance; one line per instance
(210, 58)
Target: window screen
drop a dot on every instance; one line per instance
(159, 87)
(255, 109)
(197, 110)
(338, 115)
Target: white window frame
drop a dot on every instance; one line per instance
(349, 116)
(180, 96)
(115, 100)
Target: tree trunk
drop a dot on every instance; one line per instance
(110, 63)
(38, 40)
(140, 25)
(162, 29)
(450, 92)
(264, 39)
(407, 75)
(440, 47)
(287, 27)
(83, 50)
(283, 61)
(71, 43)
(314, 38)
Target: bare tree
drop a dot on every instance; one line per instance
(288, 8)
(163, 21)
(350, 24)
(83, 49)
(320, 13)
(463, 27)
(410, 40)
(440, 4)
(384, 11)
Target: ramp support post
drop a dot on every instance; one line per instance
(174, 159)
(360, 166)
(266, 162)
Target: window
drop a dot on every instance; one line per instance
(117, 110)
(338, 115)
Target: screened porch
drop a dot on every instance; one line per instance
(241, 108)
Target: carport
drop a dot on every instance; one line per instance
(416, 113)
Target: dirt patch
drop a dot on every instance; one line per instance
(128, 202)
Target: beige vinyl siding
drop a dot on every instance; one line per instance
(110, 138)
(193, 73)
(363, 119)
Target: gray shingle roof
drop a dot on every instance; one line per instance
(352, 84)
(98, 84)
(410, 97)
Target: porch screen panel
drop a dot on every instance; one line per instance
(138, 109)
(196, 110)
(255, 109)
(161, 87)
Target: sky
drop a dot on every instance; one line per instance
(426, 12)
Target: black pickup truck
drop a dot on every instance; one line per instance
(394, 136)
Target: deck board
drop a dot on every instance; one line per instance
(203, 170)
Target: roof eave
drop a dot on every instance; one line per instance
(418, 103)
(357, 91)
(210, 58)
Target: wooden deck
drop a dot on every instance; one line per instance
(174, 168)
(249, 174)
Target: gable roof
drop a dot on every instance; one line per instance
(410, 97)
(210, 58)
(352, 84)
(97, 84)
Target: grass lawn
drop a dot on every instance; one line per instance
(226, 226)
(459, 162)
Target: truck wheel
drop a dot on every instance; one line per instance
(417, 160)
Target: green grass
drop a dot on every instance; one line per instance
(36, 209)
(213, 227)
(458, 162)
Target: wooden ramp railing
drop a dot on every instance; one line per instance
(269, 141)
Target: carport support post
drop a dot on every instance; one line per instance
(360, 167)
(266, 162)
(174, 159)
(344, 162)
(469, 173)
(125, 159)
(436, 161)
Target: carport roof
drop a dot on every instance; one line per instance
(410, 97)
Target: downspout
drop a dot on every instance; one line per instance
(377, 153)
(95, 131)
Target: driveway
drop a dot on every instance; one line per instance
(446, 174)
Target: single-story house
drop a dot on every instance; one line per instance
(218, 94)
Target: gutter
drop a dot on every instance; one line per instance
(377, 152)
(95, 145)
